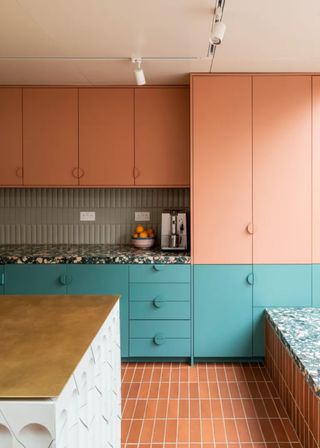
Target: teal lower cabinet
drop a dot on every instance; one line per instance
(316, 285)
(35, 279)
(282, 285)
(160, 338)
(258, 331)
(223, 311)
(1, 280)
(160, 311)
(103, 279)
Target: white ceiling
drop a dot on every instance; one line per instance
(273, 35)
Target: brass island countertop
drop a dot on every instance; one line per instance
(43, 338)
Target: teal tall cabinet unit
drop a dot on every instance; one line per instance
(253, 219)
(71, 279)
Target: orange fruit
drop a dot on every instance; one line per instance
(135, 235)
(139, 229)
(143, 235)
(150, 232)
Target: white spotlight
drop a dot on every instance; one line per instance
(218, 33)
(138, 72)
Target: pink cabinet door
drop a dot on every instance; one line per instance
(222, 169)
(50, 136)
(316, 170)
(162, 141)
(282, 169)
(106, 137)
(11, 137)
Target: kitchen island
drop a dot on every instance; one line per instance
(60, 371)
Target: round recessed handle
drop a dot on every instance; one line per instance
(250, 279)
(157, 301)
(19, 172)
(159, 339)
(250, 228)
(65, 279)
(157, 267)
(78, 172)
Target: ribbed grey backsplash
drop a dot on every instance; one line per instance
(52, 215)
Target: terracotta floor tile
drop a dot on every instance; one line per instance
(174, 390)
(159, 431)
(279, 430)
(219, 431)
(205, 406)
(194, 390)
(216, 407)
(173, 406)
(147, 430)
(234, 390)
(162, 406)
(238, 409)
(231, 431)
(134, 432)
(224, 390)
(227, 408)
(184, 430)
(140, 409)
(166, 375)
(171, 431)
(260, 408)
(128, 409)
(255, 431)
(195, 430)
(214, 390)
(194, 409)
(184, 409)
(267, 430)
(143, 392)
(243, 430)
(207, 430)
(151, 408)
(164, 390)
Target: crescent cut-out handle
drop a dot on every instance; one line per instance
(65, 279)
(157, 301)
(250, 228)
(157, 267)
(250, 279)
(159, 339)
(19, 172)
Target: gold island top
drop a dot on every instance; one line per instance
(43, 338)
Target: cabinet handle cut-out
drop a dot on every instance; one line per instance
(19, 172)
(250, 228)
(250, 279)
(159, 339)
(157, 267)
(157, 302)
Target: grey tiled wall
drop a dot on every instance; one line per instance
(41, 216)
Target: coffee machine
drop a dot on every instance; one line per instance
(174, 229)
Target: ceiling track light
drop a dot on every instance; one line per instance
(218, 27)
(138, 72)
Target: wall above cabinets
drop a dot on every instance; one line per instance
(94, 137)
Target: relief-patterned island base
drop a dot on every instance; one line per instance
(86, 413)
(292, 347)
(88, 254)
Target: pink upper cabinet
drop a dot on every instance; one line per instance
(316, 170)
(50, 136)
(222, 169)
(282, 169)
(106, 137)
(10, 137)
(162, 136)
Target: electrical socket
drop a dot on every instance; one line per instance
(87, 216)
(142, 216)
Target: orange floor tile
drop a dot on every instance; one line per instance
(208, 405)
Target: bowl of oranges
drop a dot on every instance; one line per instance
(143, 238)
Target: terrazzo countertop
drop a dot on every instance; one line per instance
(299, 331)
(88, 254)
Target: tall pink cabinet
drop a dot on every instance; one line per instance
(251, 168)
(222, 169)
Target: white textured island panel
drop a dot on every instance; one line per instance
(87, 413)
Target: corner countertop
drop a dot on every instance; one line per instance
(87, 254)
(299, 331)
(43, 338)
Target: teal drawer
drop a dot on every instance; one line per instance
(169, 328)
(159, 310)
(165, 291)
(154, 273)
(35, 279)
(165, 347)
(282, 285)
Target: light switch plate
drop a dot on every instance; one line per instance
(142, 216)
(87, 216)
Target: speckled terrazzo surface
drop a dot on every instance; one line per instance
(88, 254)
(299, 331)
